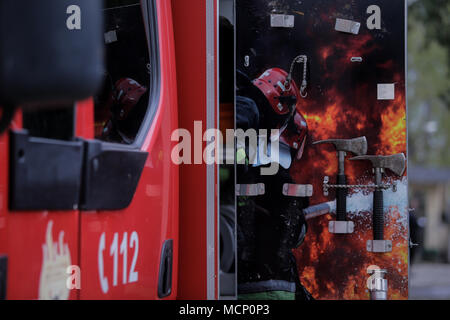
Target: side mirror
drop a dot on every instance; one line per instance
(51, 51)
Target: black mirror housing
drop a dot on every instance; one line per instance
(51, 51)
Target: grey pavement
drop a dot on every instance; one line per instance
(430, 281)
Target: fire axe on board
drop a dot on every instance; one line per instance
(396, 164)
(358, 147)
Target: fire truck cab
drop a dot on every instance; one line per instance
(88, 191)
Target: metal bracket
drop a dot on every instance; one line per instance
(110, 36)
(326, 182)
(347, 26)
(247, 61)
(341, 227)
(282, 21)
(327, 186)
(394, 186)
(250, 190)
(378, 285)
(379, 246)
(298, 190)
(412, 244)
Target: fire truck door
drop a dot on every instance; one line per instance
(37, 246)
(320, 70)
(129, 217)
(40, 154)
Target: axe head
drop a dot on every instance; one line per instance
(357, 146)
(396, 163)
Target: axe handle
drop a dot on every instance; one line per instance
(378, 215)
(341, 199)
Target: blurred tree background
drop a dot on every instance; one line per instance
(429, 82)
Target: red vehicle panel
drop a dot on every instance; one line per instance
(128, 253)
(121, 250)
(196, 57)
(35, 242)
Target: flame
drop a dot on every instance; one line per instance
(337, 266)
(325, 53)
(393, 131)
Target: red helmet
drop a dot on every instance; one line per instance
(294, 135)
(282, 97)
(126, 95)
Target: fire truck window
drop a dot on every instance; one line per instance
(121, 105)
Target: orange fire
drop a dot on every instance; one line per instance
(336, 267)
(393, 131)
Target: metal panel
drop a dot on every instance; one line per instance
(346, 66)
(211, 123)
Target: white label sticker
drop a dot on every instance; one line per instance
(282, 21)
(386, 91)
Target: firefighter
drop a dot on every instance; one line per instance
(127, 105)
(271, 225)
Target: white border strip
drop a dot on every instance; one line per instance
(211, 169)
(407, 140)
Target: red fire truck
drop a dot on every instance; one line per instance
(92, 205)
(123, 229)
